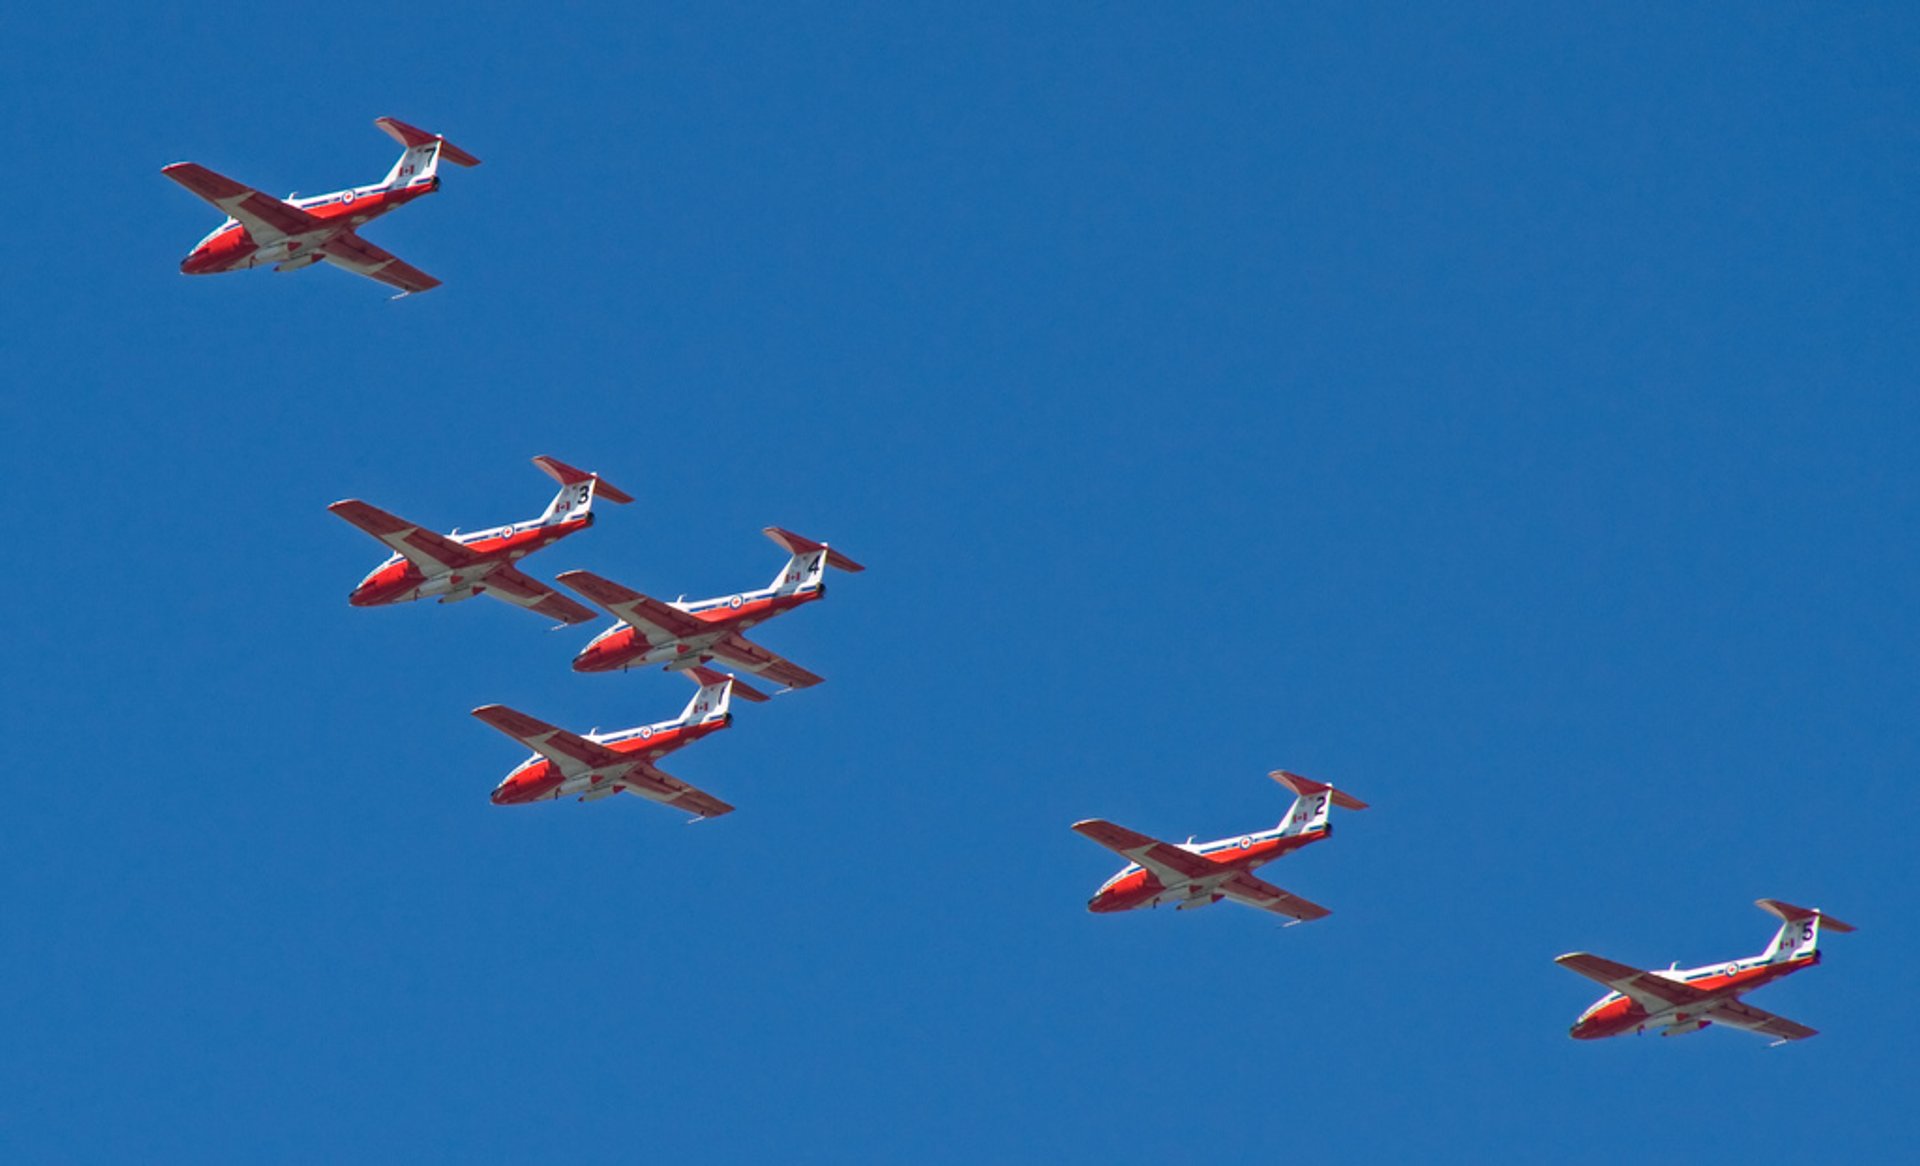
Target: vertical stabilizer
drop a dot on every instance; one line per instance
(1311, 802)
(578, 489)
(420, 159)
(1799, 934)
(808, 562)
(715, 698)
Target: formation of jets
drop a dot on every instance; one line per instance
(684, 637)
(691, 637)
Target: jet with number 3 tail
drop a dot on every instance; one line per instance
(682, 634)
(458, 566)
(1682, 1000)
(1197, 874)
(291, 233)
(599, 765)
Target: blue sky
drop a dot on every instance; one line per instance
(1506, 414)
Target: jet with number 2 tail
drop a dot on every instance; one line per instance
(1197, 874)
(291, 233)
(1682, 1000)
(458, 566)
(683, 634)
(599, 765)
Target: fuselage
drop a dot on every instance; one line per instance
(538, 778)
(400, 580)
(1615, 1014)
(230, 247)
(622, 646)
(1136, 886)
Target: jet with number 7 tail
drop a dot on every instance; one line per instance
(1682, 1000)
(1197, 874)
(291, 233)
(457, 566)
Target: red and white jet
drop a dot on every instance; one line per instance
(1196, 874)
(599, 765)
(460, 566)
(292, 233)
(1686, 1000)
(682, 634)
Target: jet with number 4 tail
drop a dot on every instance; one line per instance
(1197, 874)
(291, 233)
(599, 765)
(1682, 1000)
(684, 634)
(457, 566)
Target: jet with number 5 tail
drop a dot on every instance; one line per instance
(685, 633)
(1196, 874)
(599, 765)
(458, 566)
(291, 233)
(1682, 1000)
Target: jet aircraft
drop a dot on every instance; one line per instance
(1197, 874)
(599, 765)
(683, 634)
(292, 233)
(1687, 1000)
(460, 566)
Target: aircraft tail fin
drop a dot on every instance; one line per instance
(421, 155)
(578, 489)
(717, 690)
(808, 562)
(1311, 801)
(1799, 934)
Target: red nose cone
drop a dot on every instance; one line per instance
(503, 795)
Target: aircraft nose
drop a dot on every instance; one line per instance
(500, 792)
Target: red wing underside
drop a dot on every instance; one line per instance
(524, 591)
(432, 553)
(1243, 888)
(355, 254)
(1653, 992)
(1738, 1015)
(645, 781)
(656, 621)
(745, 654)
(266, 218)
(1170, 864)
(573, 753)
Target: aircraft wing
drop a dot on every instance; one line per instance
(508, 583)
(572, 753)
(355, 254)
(266, 218)
(658, 622)
(1170, 864)
(1245, 889)
(650, 783)
(433, 553)
(1738, 1015)
(1650, 990)
(741, 652)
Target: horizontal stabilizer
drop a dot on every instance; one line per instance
(706, 676)
(410, 136)
(795, 544)
(1306, 787)
(566, 475)
(1789, 913)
